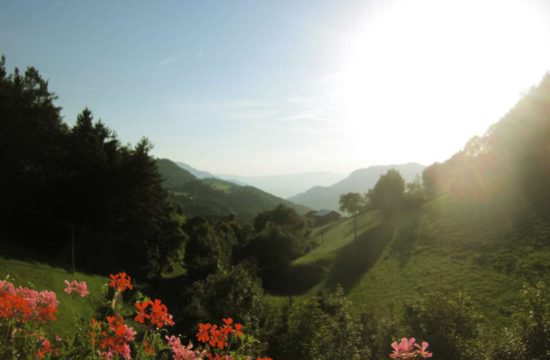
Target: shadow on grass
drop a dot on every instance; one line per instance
(360, 255)
(405, 236)
(298, 279)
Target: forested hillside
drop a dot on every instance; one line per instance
(214, 197)
(77, 189)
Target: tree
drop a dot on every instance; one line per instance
(387, 194)
(322, 327)
(453, 313)
(352, 203)
(63, 183)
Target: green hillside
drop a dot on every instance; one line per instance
(44, 277)
(172, 174)
(214, 197)
(449, 244)
(484, 229)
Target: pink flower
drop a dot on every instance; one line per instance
(179, 351)
(68, 287)
(422, 350)
(6, 286)
(408, 350)
(126, 352)
(79, 287)
(106, 355)
(129, 334)
(82, 289)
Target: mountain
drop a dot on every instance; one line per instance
(286, 185)
(361, 180)
(215, 197)
(278, 185)
(173, 174)
(200, 174)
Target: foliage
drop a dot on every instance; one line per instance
(78, 186)
(205, 250)
(529, 336)
(234, 291)
(24, 311)
(321, 327)
(387, 195)
(453, 314)
(351, 203)
(281, 235)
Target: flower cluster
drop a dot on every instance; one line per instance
(216, 336)
(81, 288)
(24, 304)
(24, 312)
(181, 352)
(407, 349)
(112, 338)
(45, 348)
(120, 282)
(154, 313)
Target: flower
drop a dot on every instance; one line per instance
(422, 350)
(45, 348)
(112, 338)
(407, 349)
(24, 304)
(154, 311)
(121, 282)
(78, 287)
(179, 351)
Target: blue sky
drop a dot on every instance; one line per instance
(258, 87)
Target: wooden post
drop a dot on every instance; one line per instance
(72, 247)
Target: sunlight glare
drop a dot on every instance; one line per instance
(430, 74)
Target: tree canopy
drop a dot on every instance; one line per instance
(387, 194)
(78, 186)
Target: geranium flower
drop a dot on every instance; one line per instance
(120, 282)
(81, 288)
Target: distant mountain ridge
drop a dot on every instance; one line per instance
(199, 174)
(361, 180)
(286, 185)
(278, 185)
(215, 197)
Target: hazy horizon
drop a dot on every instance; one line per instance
(279, 88)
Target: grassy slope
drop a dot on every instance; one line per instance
(43, 277)
(484, 247)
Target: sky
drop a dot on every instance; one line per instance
(286, 86)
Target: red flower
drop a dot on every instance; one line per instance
(157, 315)
(121, 282)
(238, 331)
(203, 334)
(141, 314)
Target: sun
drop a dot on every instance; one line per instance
(430, 74)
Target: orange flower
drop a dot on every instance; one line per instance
(141, 314)
(203, 334)
(158, 313)
(238, 328)
(121, 282)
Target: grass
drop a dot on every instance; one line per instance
(334, 236)
(44, 277)
(486, 247)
